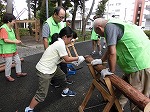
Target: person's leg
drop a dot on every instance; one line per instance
(18, 63)
(123, 100)
(60, 76)
(99, 46)
(146, 82)
(93, 46)
(104, 45)
(63, 67)
(141, 81)
(16, 58)
(8, 64)
(41, 93)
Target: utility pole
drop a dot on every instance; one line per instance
(9, 7)
(47, 15)
(125, 14)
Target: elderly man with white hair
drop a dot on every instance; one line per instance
(129, 47)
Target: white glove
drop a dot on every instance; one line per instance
(96, 62)
(75, 63)
(105, 72)
(80, 60)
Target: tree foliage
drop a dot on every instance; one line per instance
(2, 10)
(101, 8)
(42, 14)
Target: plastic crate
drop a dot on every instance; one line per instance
(70, 69)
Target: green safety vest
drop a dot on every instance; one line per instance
(8, 48)
(133, 49)
(94, 36)
(54, 27)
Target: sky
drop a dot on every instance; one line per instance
(19, 5)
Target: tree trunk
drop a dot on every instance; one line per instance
(9, 7)
(85, 20)
(35, 10)
(74, 15)
(29, 17)
(59, 2)
(131, 93)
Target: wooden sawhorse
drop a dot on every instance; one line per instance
(107, 92)
(69, 47)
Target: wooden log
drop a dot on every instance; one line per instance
(2, 66)
(131, 93)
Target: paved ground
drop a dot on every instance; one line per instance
(17, 95)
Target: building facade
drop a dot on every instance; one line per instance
(133, 11)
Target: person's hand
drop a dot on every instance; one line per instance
(96, 62)
(105, 72)
(17, 41)
(75, 63)
(80, 60)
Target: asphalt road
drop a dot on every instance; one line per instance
(15, 96)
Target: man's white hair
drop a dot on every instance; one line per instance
(99, 22)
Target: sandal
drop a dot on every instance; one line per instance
(21, 74)
(10, 79)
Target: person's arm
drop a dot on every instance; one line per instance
(45, 42)
(4, 36)
(12, 41)
(45, 35)
(113, 34)
(70, 59)
(112, 57)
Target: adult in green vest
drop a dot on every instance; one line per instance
(129, 47)
(8, 49)
(68, 23)
(53, 25)
(96, 42)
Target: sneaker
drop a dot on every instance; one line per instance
(69, 81)
(69, 93)
(52, 83)
(100, 53)
(93, 52)
(28, 109)
(55, 85)
(104, 46)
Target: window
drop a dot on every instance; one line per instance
(88, 23)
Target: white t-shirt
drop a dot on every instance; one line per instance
(52, 57)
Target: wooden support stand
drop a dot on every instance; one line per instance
(108, 94)
(69, 47)
(131, 93)
(36, 27)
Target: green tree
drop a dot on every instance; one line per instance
(101, 8)
(42, 14)
(2, 10)
(85, 19)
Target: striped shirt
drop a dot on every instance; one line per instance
(45, 31)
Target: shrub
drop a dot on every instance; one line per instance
(87, 37)
(24, 32)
